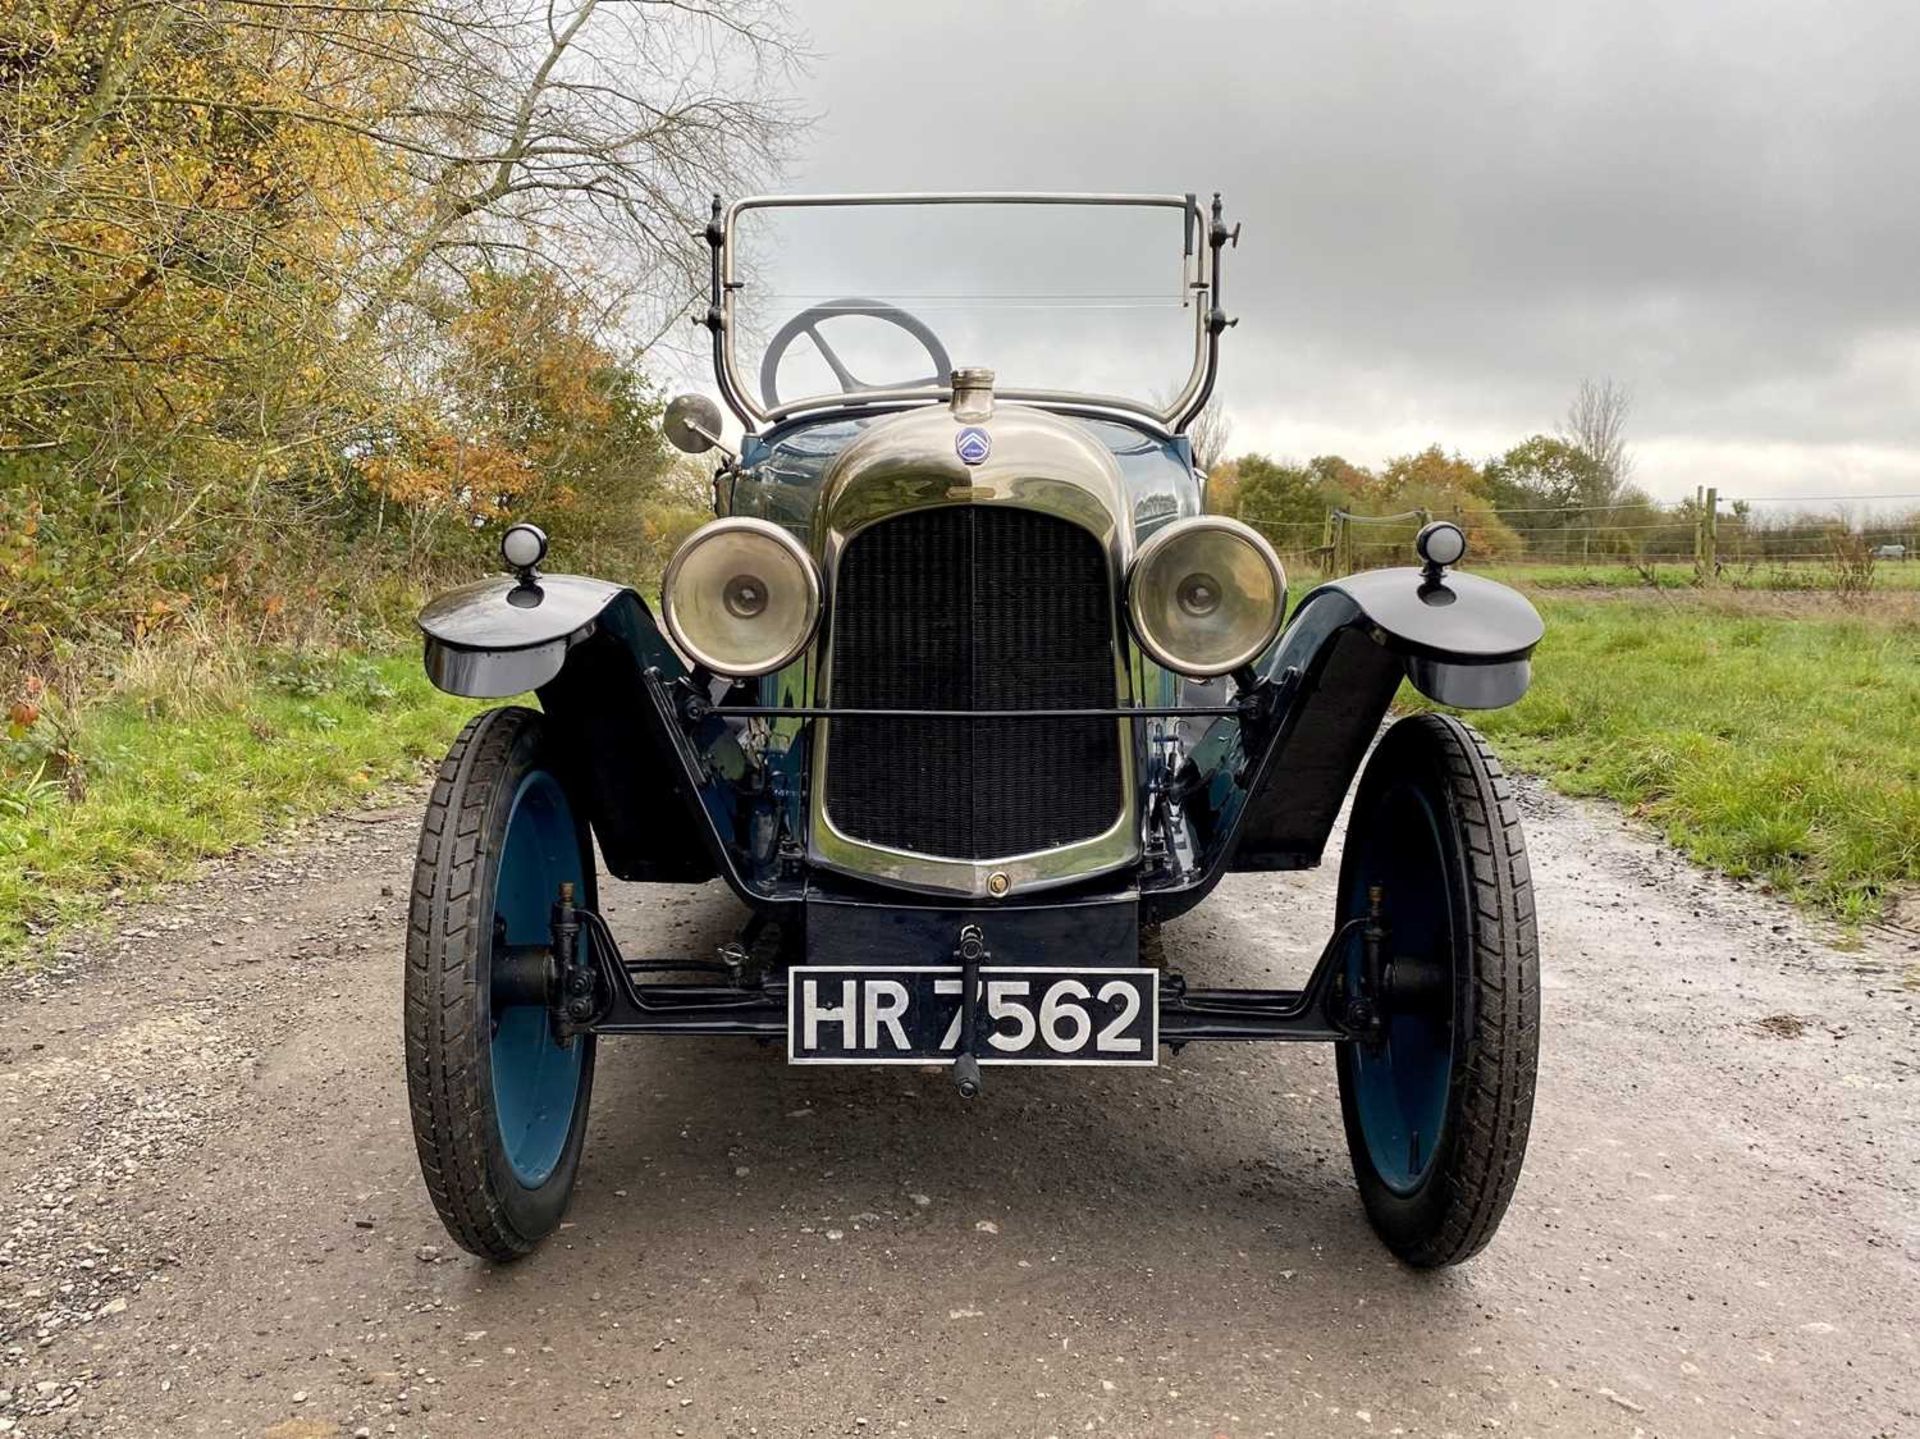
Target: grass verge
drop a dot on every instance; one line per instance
(192, 756)
(1779, 747)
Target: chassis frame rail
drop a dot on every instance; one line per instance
(756, 1008)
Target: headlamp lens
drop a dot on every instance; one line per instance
(741, 597)
(1206, 596)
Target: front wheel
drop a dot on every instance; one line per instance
(1439, 1098)
(499, 1102)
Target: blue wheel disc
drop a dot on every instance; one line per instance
(536, 1080)
(1400, 1085)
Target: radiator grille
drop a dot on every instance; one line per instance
(981, 608)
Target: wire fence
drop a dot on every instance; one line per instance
(1844, 539)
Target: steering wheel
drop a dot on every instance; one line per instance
(807, 323)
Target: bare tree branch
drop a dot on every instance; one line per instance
(1210, 434)
(1596, 423)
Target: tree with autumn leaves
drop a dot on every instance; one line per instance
(292, 293)
(1536, 497)
(522, 411)
(1291, 502)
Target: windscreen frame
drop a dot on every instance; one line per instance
(1200, 262)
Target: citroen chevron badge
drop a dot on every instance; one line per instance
(973, 445)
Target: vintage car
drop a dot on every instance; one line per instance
(963, 694)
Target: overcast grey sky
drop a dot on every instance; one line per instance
(1453, 213)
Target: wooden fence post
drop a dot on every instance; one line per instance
(1700, 529)
(1710, 534)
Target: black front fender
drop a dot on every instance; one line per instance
(1463, 640)
(1263, 793)
(663, 800)
(501, 637)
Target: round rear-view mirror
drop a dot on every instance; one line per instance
(691, 424)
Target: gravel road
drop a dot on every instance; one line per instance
(211, 1221)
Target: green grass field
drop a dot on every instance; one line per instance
(1780, 746)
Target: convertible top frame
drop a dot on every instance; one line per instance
(1202, 291)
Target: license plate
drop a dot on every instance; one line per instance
(907, 1014)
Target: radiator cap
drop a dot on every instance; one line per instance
(972, 394)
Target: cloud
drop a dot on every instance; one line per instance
(1453, 213)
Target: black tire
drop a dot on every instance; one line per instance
(487, 1206)
(1472, 916)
